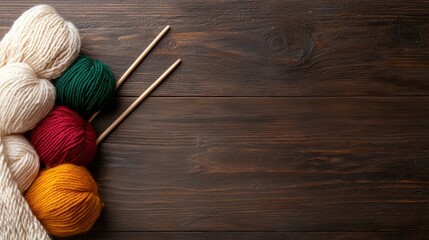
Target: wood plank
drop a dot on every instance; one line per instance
(256, 236)
(258, 48)
(334, 147)
(267, 164)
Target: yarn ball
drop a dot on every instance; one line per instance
(63, 136)
(65, 200)
(22, 160)
(24, 98)
(42, 39)
(86, 87)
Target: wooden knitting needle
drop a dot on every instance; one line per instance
(136, 63)
(137, 102)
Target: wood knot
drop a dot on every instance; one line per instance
(276, 41)
(171, 44)
(295, 44)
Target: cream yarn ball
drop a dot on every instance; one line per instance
(22, 160)
(42, 39)
(24, 98)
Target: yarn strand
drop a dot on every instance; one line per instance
(17, 220)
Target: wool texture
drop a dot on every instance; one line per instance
(39, 47)
(86, 87)
(63, 136)
(22, 160)
(24, 98)
(24, 101)
(42, 39)
(65, 200)
(17, 221)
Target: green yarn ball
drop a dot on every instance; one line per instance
(86, 87)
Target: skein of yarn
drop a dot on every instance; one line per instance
(42, 39)
(22, 160)
(24, 98)
(63, 136)
(86, 87)
(65, 200)
(16, 219)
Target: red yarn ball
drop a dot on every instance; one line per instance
(63, 136)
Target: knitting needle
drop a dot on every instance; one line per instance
(137, 101)
(136, 63)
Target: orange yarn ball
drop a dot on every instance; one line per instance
(65, 200)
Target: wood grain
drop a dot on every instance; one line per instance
(258, 48)
(256, 236)
(267, 164)
(286, 120)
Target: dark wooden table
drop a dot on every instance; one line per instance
(286, 120)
